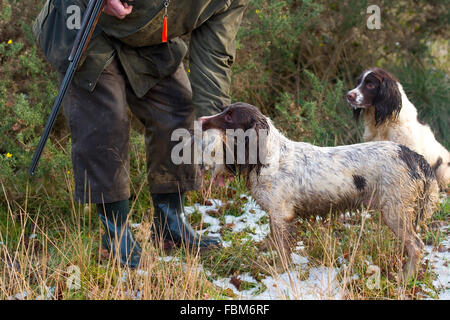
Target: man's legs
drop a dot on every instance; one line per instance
(165, 108)
(99, 126)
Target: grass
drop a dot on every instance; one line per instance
(42, 250)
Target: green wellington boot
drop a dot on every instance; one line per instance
(171, 223)
(118, 238)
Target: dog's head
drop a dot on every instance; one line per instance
(376, 87)
(238, 115)
(240, 125)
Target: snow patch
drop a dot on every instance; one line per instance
(440, 261)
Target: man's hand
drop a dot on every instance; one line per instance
(117, 9)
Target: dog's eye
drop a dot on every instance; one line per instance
(228, 118)
(370, 85)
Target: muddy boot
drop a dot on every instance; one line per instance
(171, 224)
(118, 238)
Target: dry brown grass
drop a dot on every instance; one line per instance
(39, 264)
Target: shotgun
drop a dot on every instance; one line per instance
(90, 19)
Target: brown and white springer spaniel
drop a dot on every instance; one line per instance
(295, 179)
(389, 115)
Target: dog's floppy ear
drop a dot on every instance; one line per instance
(388, 101)
(232, 167)
(356, 113)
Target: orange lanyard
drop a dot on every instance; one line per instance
(164, 31)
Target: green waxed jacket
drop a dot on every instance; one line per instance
(136, 41)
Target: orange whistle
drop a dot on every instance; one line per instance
(164, 32)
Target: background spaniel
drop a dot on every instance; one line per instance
(389, 115)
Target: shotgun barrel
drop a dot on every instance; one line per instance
(89, 22)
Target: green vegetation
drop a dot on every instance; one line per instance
(295, 61)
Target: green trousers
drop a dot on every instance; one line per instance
(100, 127)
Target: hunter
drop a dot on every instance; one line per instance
(134, 60)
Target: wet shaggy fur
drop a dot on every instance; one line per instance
(389, 115)
(298, 179)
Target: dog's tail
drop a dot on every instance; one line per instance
(425, 180)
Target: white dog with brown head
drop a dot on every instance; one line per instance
(389, 115)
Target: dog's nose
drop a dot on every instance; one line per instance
(351, 96)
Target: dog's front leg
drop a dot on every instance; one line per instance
(280, 234)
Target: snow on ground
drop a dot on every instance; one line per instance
(249, 220)
(320, 282)
(440, 261)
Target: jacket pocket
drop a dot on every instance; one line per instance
(53, 35)
(163, 59)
